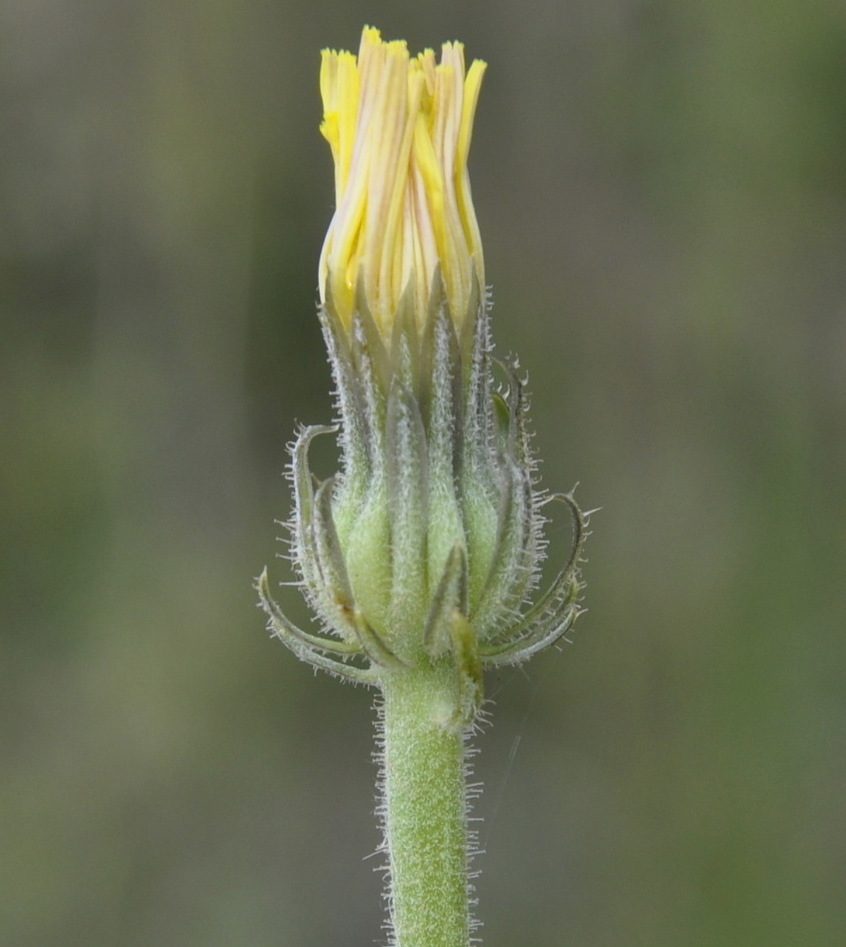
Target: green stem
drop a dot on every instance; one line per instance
(424, 808)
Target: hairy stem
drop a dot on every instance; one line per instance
(424, 808)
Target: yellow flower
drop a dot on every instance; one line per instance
(400, 128)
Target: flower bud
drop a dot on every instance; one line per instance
(425, 546)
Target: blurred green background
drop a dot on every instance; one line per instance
(661, 188)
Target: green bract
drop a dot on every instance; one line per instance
(425, 547)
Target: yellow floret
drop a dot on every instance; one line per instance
(399, 129)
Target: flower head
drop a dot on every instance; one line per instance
(400, 128)
(423, 550)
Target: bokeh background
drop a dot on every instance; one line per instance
(661, 187)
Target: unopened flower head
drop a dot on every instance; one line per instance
(423, 550)
(400, 128)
